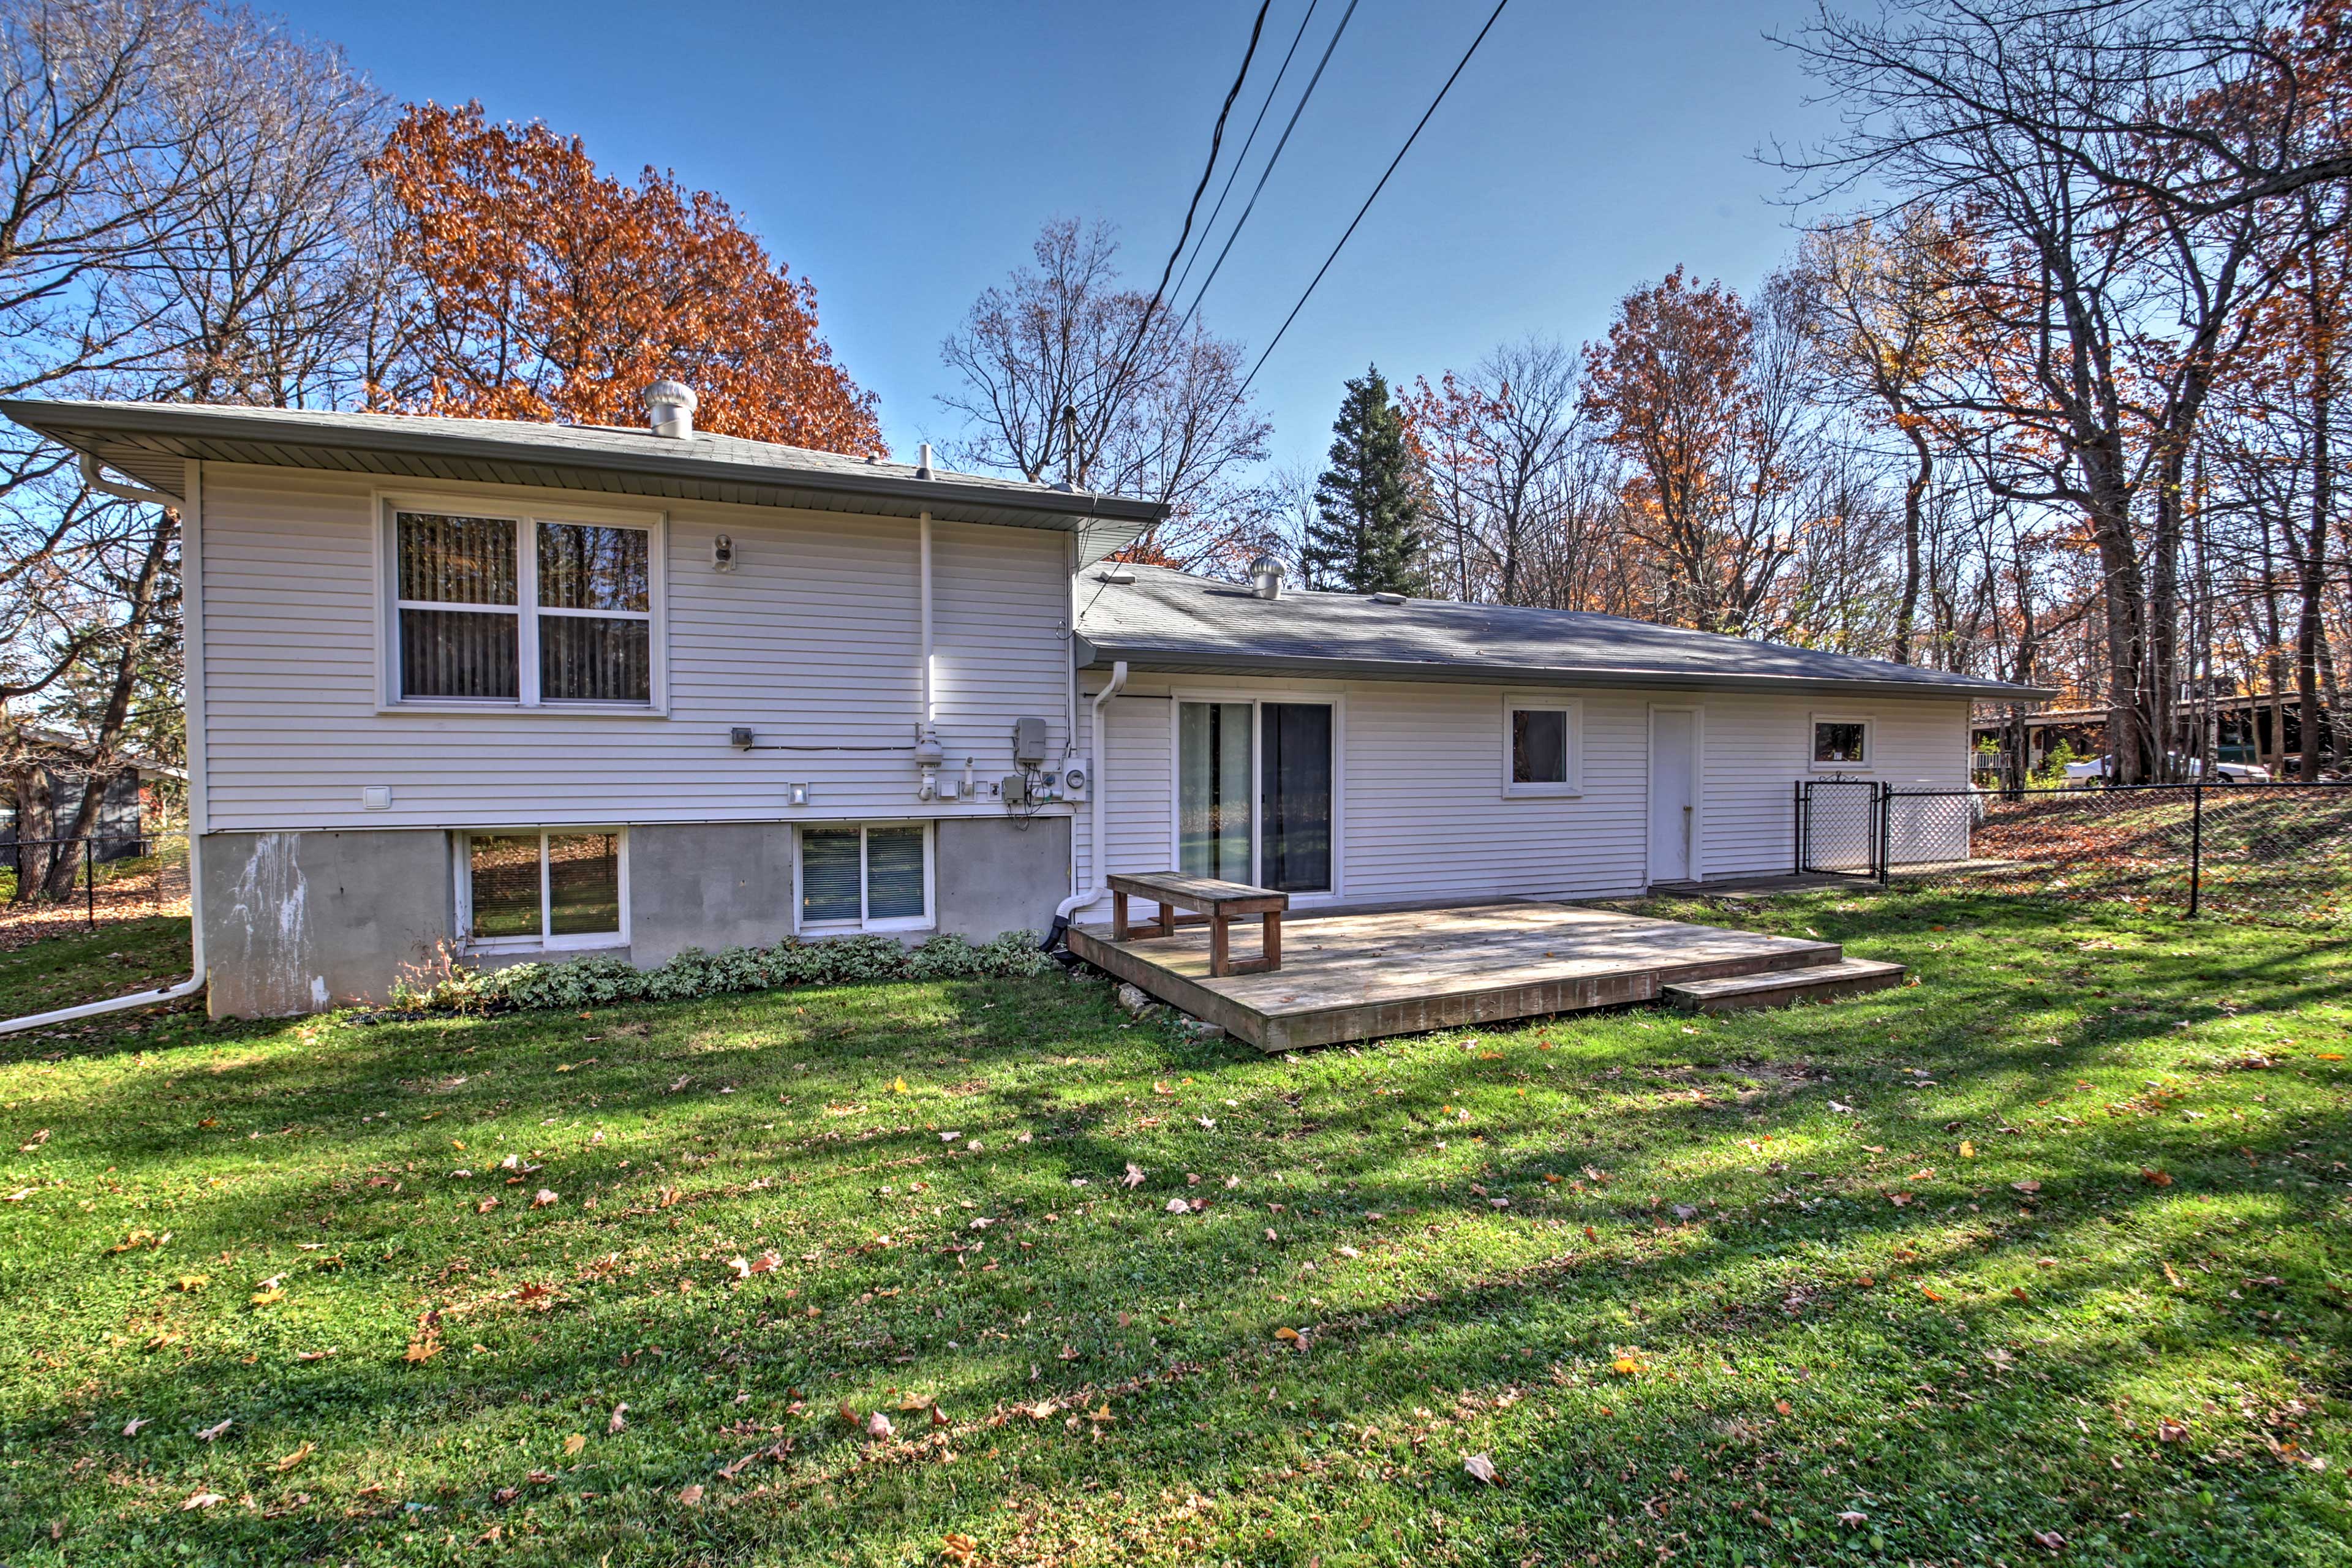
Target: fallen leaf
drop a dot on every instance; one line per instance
(1968, 1150)
(2169, 1430)
(130, 1428)
(1134, 1177)
(1481, 1467)
(210, 1433)
(543, 1199)
(1853, 1519)
(878, 1426)
(296, 1457)
(692, 1495)
(618, 1421)
(2028, 1186)
(422, 1349)
(268, 1297)
(958, 1548)
(1626, 1366)
(1178, 1205)
(574, 1443)
(2049, 1538)
(201, 1500)
(2154, 1178)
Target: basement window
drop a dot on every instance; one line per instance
(865, 877)
(554, 612)
(565, 887)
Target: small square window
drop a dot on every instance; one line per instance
(1539, 749)
(1841, 742)
(1539, 746)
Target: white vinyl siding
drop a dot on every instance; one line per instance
(1421, 817)
(814, 641)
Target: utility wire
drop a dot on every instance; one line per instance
(1248, 142)
(1391, 169)
(1272, 159)
(1216, 139)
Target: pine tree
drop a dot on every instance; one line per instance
(1368, 538)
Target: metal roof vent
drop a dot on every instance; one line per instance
(1116, 575)
(669, 409)
(923, 463)
(1265, 577)
(1388, 599)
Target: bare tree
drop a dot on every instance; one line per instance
(1064, 379)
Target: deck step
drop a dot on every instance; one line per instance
(1815, 983)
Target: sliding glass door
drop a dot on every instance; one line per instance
(1253, 793)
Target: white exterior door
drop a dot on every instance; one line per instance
(1673, 793)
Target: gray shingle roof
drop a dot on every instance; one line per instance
(1172, 621)
(151, 441)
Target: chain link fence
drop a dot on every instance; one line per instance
(59, 887)
(2279, 851)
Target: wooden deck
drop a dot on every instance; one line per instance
(1360, 977)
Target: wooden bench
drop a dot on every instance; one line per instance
(1217, 902)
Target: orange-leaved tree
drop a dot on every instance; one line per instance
(543, 289)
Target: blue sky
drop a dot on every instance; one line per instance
(903, 155)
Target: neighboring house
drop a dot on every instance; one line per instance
(511, 690)
(119, 831)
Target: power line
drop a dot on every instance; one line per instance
(1248, 142)
(1143, 323)
(1216, 139)
(1391, 169)
(1272, 159)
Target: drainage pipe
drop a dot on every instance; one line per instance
(1079, 900)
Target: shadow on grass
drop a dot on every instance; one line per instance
(1448, 1325)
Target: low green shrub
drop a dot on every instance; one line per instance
(451, 986)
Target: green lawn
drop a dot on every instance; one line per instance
(2074, 1263)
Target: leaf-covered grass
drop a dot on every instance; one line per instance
(2112, 1309)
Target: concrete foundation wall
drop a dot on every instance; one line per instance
(990, 876)
(295, 923)
(708, 885)
(298, 922)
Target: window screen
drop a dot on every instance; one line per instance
(459, 614)
(893, 873)
(504, 891)
(829, 875)
(583, 883)
(595, 629)
(1840, 740)
(1538, 745)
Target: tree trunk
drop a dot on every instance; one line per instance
(65, 863)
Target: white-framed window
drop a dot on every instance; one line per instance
(864, 876)
(526, 889)
(1543, 746)
(1840, 740)
(527, 608)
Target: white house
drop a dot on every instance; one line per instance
(501, 689)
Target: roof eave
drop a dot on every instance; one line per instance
(1071, 511)
(1092, 654)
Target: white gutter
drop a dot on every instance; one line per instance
(192, 610)
(104, 485)
(1079, 900)
(929, 716)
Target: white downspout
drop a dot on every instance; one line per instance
(928, 755)
(192, 601)
(1080, 899)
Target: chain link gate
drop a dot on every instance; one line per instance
(1841, 828)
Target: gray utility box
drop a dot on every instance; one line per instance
(1028, 742)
